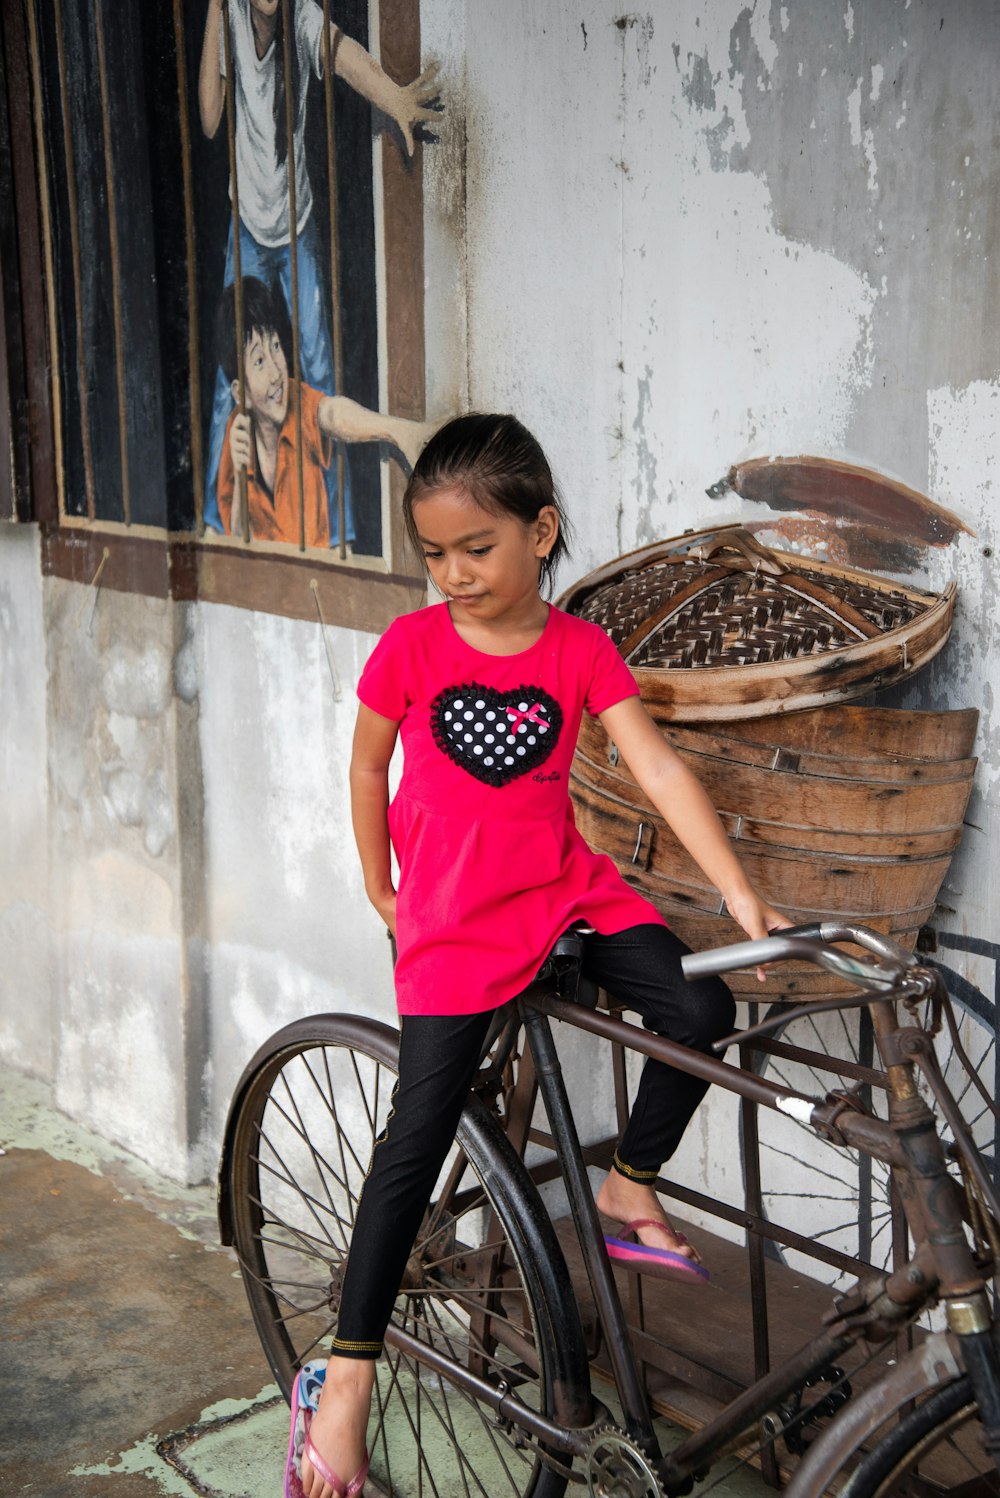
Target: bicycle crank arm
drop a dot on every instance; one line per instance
(572, 1438)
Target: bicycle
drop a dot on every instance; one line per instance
(485, 1385)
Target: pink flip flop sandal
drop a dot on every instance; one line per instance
(304, 1399)
(341, 1489)
(660, 1262)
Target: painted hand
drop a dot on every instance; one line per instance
(417, 103)
(239, 442)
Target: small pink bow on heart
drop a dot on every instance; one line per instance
(533, 715)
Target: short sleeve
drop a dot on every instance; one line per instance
(309, 19)
(382, 681)
(611, 680)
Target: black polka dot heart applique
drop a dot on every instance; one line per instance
(496, 736)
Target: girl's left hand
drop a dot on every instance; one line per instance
(757, 918)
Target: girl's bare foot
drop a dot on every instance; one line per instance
(340, 1424)
(624, 1201)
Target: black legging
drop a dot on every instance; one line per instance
(438, 1056)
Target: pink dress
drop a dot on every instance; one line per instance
(491, 866)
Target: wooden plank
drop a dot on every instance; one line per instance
(776, 795)
(877, 885)
(633, 804)
(696, 1339)
(893, 768)
(712, 743)
(867, 731)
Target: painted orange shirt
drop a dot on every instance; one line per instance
(275, 517)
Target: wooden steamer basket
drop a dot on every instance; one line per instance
(742, 655)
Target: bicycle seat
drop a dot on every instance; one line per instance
(563, 965)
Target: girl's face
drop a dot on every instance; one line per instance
(486, 565)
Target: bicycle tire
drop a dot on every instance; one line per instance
(487, 1283)
(933, 1449)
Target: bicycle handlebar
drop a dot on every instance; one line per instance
(813, 943)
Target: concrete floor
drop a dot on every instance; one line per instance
(129, 1365)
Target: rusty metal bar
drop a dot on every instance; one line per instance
(293, 251)
(755, 1252)
(194, 378)
(75, 261)
(109, 176)
(243, 518)
(858, 1130)
(330, 49)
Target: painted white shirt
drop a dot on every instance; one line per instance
(261, 182)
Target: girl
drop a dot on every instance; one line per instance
(486, 691)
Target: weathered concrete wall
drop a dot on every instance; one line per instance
(28, 1015)
(708, 231)
(669, 239)
(288, 928)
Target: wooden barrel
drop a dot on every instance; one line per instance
(864, 832)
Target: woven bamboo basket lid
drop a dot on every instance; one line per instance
(716, 626)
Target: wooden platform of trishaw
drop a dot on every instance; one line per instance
(699, 1337)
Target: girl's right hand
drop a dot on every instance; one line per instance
(386, 907)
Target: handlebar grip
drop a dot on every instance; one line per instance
(728, 959)
(811, 943)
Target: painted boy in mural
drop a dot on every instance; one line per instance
(265, 440)
(257, 46)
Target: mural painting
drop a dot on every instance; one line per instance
(227, 160)
(269, 423)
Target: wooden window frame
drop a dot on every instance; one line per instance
(355, 592)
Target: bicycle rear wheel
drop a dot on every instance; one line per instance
(486, 1285)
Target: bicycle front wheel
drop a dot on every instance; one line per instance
(935, 1449)
(485, 1286)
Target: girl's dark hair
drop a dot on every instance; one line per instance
(500, 466)
(278, 106)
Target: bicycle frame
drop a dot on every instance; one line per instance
(878, 1307)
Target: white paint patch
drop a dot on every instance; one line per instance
(878, 75)
(777, 334)
(137, 682)
(766, 42)
(854, 113)
(117, 895)
(797, 1108)
(869, 153)
(964, 468)
(849, 21)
